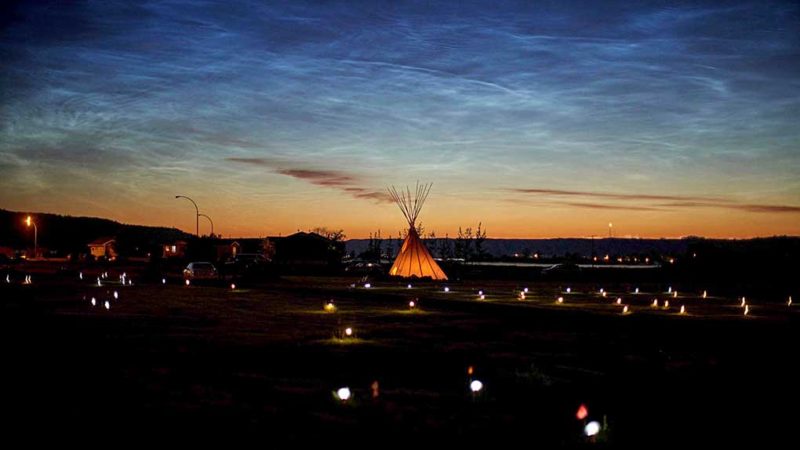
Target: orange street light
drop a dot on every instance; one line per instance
(29, 222)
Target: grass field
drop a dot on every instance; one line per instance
(264, 362)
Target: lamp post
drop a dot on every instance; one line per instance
(197, 214)
(210, 221)
(29, 222)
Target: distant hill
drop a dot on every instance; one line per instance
(68, 234)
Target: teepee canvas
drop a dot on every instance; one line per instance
(414, 259)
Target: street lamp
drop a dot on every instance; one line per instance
(197, 212)
(210, 221)
(30, 222)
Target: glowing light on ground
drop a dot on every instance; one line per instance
(569, 290)
(188, 282)
(107, 305)
(675, 294)
(233, 286)
(655, 303)
(367, 285)
(8, 278)
(412, 304)
(80, 275)
(705, 294)
(99, 283)
(619, 300)
(330, 307)
(348, 331)
(669, 290)
(482, 297)
(744, 303)
(604, 294)
(666, 304)
(522, 295)
(591, 428)
(560, 300)
(343, 394)
(625, 310)
(582, 413)
(683, 309)
(94, 301)
(789, 303)
(480, 292)
(636, 291)
(446, 289)
(602, 290)
(475, 386)
(746, 309)
(116, 295)
(408, 287)
(525, 290)
(163, 281)
(470, 370)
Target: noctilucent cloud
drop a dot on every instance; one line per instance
(536, 118)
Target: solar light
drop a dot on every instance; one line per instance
(98, 282)
(412, 304)
(330, 307)
(343, 394)
(569, 290)
(591, 428)
(233, 286)
(107, 305)
(582, 412)
(675, 294)
(789, 303)
(619, 300)
(348, 331)
(409, 286)
(188, 282)
(522, 295)
(482, 297)
(655, 303)
(163, 281)
(666, 304)
(669, 290)
(375, 388)
(446, 289)
(604, 294)
(470, 370)
(636, 291)
(625, 310)
(602, 290)
(560, 300)
(475, 386)
(683, 309)
(80, 275)
(367, 285)
(116, 295)
(480, 292)
(746, 309)
(525, 290)
(8, 280)
(130, 282)
(744, 303)
(94, 302)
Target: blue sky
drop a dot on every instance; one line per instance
(536, 118)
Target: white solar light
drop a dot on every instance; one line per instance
(408, 287)
(343, 394)
(188, 282)
(475, 386)
(675, 294)
(683, 309)
(8, 278)
(569, 290)
(233, 286)
(636, 291)
(80, 275)
(94, 302)
(666, 304)
(591, 428)
(130, 282)
(619, 300)
(163, 281)
(116, 295)
(525, 290)
(411, 304)
(480, 292)
(625, 310)
(560, 300)
(446, 289)
(107, 305)
(669, 291)
(367, 285)
(98, 282)
(655, 303)
(348, 331)
(789, 303)
(746, 309)
(705, 294)
(482, 297)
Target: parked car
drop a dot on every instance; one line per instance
(200, 271)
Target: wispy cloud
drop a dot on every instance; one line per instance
(343, 181)
(650, 202)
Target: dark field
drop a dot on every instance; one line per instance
(262, 363)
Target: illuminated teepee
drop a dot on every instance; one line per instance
(414, 260)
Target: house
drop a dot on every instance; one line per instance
(176, 249)
(104, 247)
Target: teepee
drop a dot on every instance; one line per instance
(414, 260)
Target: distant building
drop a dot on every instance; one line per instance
(104, 247)
(176, 249)
(306, 249)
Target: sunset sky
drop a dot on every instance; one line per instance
(539, 119)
